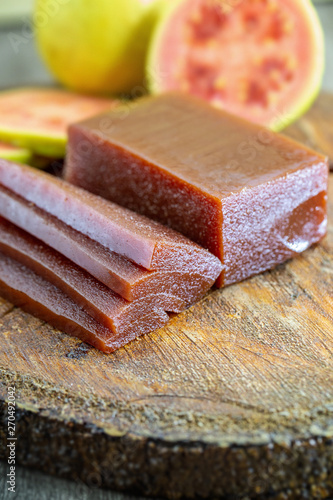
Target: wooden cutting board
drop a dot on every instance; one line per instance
(234, 398)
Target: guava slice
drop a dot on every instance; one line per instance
(14, 153)
(37, 118)
(260, 59)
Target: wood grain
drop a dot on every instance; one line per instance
(233, 399)
(315, 128)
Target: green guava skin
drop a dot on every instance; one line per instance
(40, 144)
(310, 91)
(13, 153)
(21, 155)
(95, 47)
(291, 111)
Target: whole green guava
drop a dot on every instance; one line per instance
(95, 46)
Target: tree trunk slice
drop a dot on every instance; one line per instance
(233, 399)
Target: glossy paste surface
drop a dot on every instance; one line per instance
(99, 301)
(252, 197)
(189, 270)
(34, 294)
(141, 240)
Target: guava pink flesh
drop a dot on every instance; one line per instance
(248, 57)
(47, 111)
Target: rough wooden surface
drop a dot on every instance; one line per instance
(233, 399)
(315, 128)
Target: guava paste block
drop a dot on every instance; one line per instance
(171, 288)
(105, 306)
(250, 196)
(26, 289)
(141, 240)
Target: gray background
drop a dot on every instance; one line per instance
(20, 65)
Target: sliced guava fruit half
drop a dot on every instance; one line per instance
(260, 59)
(37, 118)
(14, 153)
